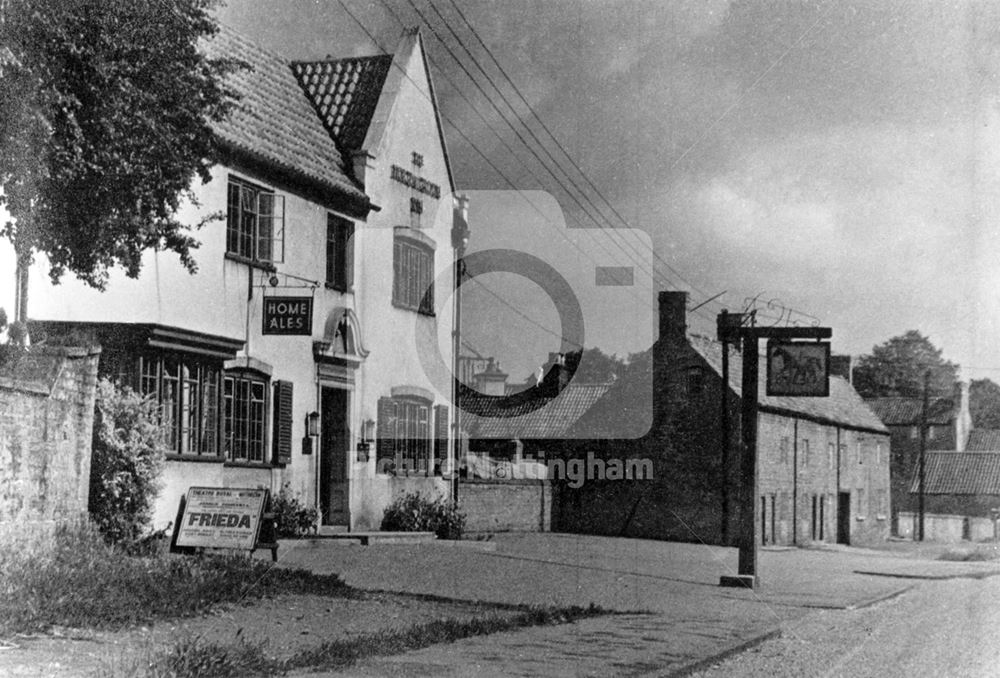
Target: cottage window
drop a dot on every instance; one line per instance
(339, 253)
(862, 506)
(404, 435)
(187, 391)
(245, 396)
(829, 455)
(805, 452)
(255, 223)
(783, 450)
(413, 275)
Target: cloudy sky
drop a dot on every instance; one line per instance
(841, 157)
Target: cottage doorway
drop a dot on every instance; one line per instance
(335, 440)
(844, 518)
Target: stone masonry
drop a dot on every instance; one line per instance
(46, 425)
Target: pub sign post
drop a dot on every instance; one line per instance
(799, 369)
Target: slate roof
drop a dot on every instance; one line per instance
(274, 123)
(899, 411)
(960, 473)
(983, 440)
(527, 415)
(344, 93)
(842, 407)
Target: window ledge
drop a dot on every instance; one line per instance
(250, 464)
(204, 458)
(339, 288)
(253, 263)
(880, 517)
(860, 519)
(402, 307)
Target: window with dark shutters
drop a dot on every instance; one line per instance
(413, 276)
(403, 438)
(385, 436)
(282, 422)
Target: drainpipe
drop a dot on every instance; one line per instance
(795, 482)
(459, 241)
(837, 528)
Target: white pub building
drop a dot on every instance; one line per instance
(290, 359)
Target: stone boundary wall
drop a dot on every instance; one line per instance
(947, 528)
(506, 505)
(46, 426)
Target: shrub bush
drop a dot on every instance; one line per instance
(417, 513)
(129, 453)
(292, 518)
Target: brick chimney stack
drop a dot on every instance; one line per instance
(963, 415)
(492, 381)
(556, 375)
(840, 366)
(673, 315)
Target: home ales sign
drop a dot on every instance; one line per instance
(287, 315)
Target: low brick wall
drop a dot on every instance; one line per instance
(506, 506)
(46, 426)
(946, 528)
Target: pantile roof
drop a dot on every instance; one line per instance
(983, 440)
(900, 411)
(344, 93)
(842, 407)
(273, 122)
(960, 473)
(528, 415)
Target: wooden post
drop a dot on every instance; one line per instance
(724, 461)
(748, 464)
(747, 538)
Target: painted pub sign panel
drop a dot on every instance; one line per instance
(287, 315)
(798, 368)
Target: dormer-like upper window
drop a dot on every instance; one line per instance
(255, 223)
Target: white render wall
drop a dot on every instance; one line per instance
(215, 301)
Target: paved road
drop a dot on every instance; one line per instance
(939, 628)
(689, 617)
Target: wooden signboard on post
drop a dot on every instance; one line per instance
(225, 518)
(798, 368)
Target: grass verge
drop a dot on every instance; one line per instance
(192, 657)
(85, 583)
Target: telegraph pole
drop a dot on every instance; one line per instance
(923, 454)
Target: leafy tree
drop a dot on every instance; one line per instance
(105, 120)
(984, 403)
(897, 367)
(592, 365)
